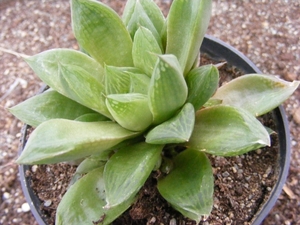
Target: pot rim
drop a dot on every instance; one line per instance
(235, 58)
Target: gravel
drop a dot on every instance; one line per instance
(267, 31)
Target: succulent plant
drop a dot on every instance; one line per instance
(134, 100)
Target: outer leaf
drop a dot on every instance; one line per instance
(127, 170)
(46, 106)
(60, 140)
(73, 74)
(84, 201)
(167, 90)
(131, 111)
(202, 82)
(227, 131)
(175, 130)
(101, 32)
(189, 187)
(256, 93)
(186, 26)
(144, 49)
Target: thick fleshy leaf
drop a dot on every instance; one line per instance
(202, 83)
(150, 8)
(227, 131)
(127, 170)
(60, 140)
(122, 80)
(131, 111)
(83, 203)
(117, 81)
(186, 26)
(72, 74)
(139, 83)
(91, 117)
(167, 90)
(140, 18)
(175, 130)
(100, 31)
(189, 186)
(256, 93)
(46, 106)
(145, 50)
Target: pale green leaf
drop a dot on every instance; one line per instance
(167, 90)
(127, 170)
(131, 111)
(145, 50)
(91, 117)
(141, 18)
(60, 140)
(256, 93)
(83, 203)
(117, 81)
(178, 129)
(186, 26)
(139, 83)
(123, 80)
(100, 31)
(151, 9)
(46, 106)
(189, 186)
(72, 74)
(202, 83)
(227, 131)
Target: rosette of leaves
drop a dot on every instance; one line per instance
(131, 98)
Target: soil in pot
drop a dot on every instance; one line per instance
(242, 184)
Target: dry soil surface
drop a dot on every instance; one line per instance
(267, 31)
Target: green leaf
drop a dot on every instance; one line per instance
(175, 130)
(91, 117)
(72, 74)
(189, 186)
(100, 31)
(186, 26)
(167, 90)
(123, 80)
(60, 140)
(202, 83)
(93, 162)
(83, 203)
(46, 106)
(131, 111)
(139, 83)
(145, 50)
(149, 10)
(256, 93)
(127, 170)
(227, 131)
(140, 18)
(117, 81)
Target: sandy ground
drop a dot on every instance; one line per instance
(267, 31)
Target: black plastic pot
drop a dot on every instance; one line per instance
(218, 50)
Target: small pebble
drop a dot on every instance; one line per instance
(6, 195)
(25, 207)
(34, 168)
(296, 116)
(47, 203)
(173, 221)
